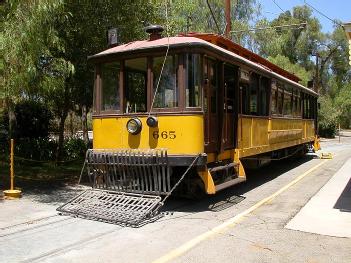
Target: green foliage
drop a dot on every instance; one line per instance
(195, 15)
(75, 148)
(32, 120)
(328, 117)
(296, 69)
(38, 149)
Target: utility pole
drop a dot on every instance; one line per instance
(317, 73)
(227, 18)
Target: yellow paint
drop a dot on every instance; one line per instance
(181, 250)
(208, 181)
(260, 135)
(236, 158)
(326, 156)
(111, 133)
(316, 144)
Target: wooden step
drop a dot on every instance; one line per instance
(227, 184)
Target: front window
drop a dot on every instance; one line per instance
(167, 85)
(135, 85)
(109, 86)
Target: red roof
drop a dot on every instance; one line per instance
(201, 38)
(241, 51)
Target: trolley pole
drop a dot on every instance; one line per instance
(227, 19)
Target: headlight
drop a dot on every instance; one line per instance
(134, 126)
(152, 121)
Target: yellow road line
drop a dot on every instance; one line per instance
(230, 222)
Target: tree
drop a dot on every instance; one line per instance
(296, 69)
(83, 38)
(28, 38)
(196, 15)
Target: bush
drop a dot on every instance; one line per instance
(327, 130)
(41, 149)
(75, 148)
(327, 117)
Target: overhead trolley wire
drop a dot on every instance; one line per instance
(164, 61)
(322, 14)
(298, 26)
(278, 6)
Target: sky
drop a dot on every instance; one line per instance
(334, 9)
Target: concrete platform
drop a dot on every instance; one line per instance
(329, 211)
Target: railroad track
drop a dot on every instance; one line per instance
(31, 225)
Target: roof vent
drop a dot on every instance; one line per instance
(154, 31)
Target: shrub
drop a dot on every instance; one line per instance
(327, 117)
(75, 148)
(41, 149)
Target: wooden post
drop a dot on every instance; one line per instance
(227, 19)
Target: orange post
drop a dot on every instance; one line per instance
(11, 165)
(12, 193)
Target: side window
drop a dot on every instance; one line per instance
(193, 80)
(274, 97)
(280, 99)
(254, 81)
(263, 91)
(109, 84)
(287, 101)
(306, 106)
(296, 104)
(245, 98)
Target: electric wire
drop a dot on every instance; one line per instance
(278, 6)
(298, 26)
(164, 61)
(213, 16)
(322, 14)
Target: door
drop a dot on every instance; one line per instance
(230, 78)
(211, 105)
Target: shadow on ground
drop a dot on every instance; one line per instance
(344, 201)
(231, 196)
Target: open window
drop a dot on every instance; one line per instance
(287, 107)
(253, 94)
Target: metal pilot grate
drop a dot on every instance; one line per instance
(113, 207)
(129, 170)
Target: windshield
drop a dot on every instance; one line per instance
(135, 85)
(142, 84)
(167, 91)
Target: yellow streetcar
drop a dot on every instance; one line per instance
(196, 108)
